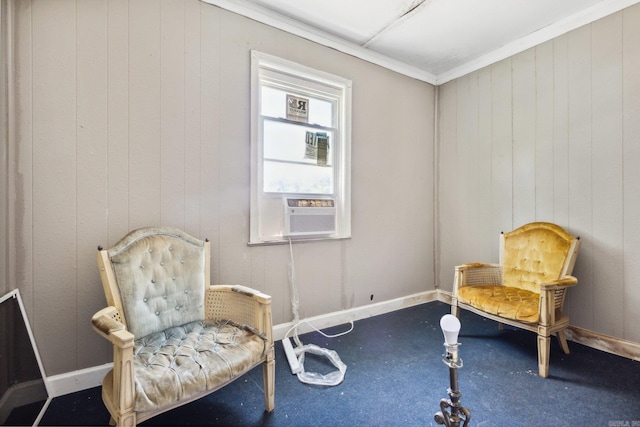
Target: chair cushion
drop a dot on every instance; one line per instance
(183, 361)
(503, 301)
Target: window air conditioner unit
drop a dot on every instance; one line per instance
(309, 217)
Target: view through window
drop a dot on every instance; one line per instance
(300, 146)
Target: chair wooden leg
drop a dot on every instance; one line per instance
(127, 420)
(562, 339)
(455, 310)
(269, 378)
(544, 347)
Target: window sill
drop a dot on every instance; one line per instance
(284, 241)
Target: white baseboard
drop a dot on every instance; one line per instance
(83, 379)
(21, 394)
(70, 382)
(444, 296)
(345, 316)
(617, 346)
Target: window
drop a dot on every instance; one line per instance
(300, 147)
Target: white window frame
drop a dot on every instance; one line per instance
(266, 209)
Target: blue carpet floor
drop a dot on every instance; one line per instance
(395, 377)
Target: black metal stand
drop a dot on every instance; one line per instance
(457, 414)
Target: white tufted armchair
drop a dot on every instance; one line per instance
(175, 337)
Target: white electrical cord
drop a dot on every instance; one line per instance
(330, 379)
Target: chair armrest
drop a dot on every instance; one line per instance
(105, 323)
(476, 265)
(253, 293)
(565, 282)
(242, 305)
(118, 386)
(478, 273)
(552, 296)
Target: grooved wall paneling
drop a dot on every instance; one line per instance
(563, 144)
(136, 113)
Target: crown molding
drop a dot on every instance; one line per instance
(268, 17)
(536, 38)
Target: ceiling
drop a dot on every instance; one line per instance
(432, 40)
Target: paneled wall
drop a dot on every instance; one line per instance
(551, 134)
(136, 113)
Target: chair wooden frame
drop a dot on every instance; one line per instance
(240, 304)
(551, 321)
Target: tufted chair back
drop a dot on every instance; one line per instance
(161, 275)
(536, 253)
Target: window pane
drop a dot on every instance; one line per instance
(287, 142)
(274, 102)
(321, 112)
(296, 178)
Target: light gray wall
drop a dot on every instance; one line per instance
(551, 134)
(132, 114)
(136, 113)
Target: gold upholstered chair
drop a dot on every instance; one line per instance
(527, 288)
(175, 337)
